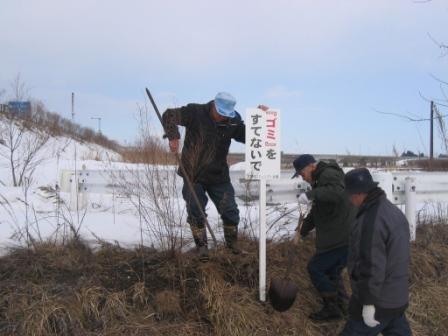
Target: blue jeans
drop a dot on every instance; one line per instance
(325, 270)
(222, 195)
(397, 326)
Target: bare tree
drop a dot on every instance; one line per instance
(395, 151)
(22, 146)
(152, 190)
(19, 88)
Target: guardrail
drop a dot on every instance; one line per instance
(283, 190)
(401, 187)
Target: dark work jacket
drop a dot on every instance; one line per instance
(331, 213)
(206, 144)
(378, 262)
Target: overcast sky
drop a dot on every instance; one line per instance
(327, 65)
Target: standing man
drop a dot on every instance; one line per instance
(209, 130)
(331, 215)
(378, 261)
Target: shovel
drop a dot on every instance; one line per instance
(283, 291)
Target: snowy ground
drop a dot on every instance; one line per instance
(35, 213)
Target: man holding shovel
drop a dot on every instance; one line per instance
(330, 215)
(209, 129)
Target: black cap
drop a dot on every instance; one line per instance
(301, 162)
(359, 180)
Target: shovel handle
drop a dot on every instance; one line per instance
(295, 242)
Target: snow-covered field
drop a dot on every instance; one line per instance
(37, 211)
(147, 211)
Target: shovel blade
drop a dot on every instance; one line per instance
(282, 294)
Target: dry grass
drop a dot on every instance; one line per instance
(430, 165)
(73, 290)
(148, 151)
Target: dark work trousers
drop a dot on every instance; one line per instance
(222, 195)
(325, 271)
(397, 326)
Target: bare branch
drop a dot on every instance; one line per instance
(19, 89)
(397, 115)
(433, 99)
(443, 92)
(409, 118)
(443, 47)
(438, 79)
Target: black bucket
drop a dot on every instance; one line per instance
(282, 294)
(283, 291)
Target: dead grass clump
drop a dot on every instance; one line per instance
(426, 308)
(167, 304)
(41, 314)
(116, 308)
(139, 295)
(232, 310)
(91, 302)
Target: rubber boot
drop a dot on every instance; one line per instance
(231, 237)
(200, 239)
(330, 310)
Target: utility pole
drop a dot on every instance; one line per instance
(99, 123)
(431, 132)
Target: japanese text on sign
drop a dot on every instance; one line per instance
(263, 144)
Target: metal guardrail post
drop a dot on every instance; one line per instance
(410, 205)
(73, 192)
(78, 198)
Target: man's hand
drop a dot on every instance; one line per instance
(174, 145)
(368, 315)
(263, 107)
(303, 199)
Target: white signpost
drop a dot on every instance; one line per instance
(263, 157)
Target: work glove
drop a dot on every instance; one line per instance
(303, 199)
(368, 315)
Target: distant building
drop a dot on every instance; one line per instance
(3, 108)
(409, 154)
(20, 108)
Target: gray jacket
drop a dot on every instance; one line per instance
(378, 261)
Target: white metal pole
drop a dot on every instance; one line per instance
(410, 205)
(76, 177)
(262, 240)
(73, 192)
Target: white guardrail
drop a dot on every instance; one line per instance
(402, 187)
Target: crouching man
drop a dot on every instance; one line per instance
(330, 215)
(378, 262)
